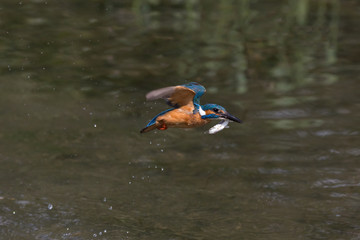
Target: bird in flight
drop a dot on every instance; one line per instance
(186, 111)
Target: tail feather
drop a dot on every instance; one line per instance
(148, 128)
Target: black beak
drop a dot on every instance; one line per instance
(230, 117)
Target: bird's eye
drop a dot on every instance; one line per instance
(216, 110)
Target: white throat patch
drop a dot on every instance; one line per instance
(201, 111)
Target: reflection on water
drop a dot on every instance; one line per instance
(74, 76)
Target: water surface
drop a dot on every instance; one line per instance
(73, 80)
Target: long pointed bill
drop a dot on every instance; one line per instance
(230, 117)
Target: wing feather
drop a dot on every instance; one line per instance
(160, 93)
(182, 96)
(177, 96)
(198, 89)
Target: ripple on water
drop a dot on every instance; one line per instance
(273, 171)
(354, 151)
(329, 132)
(334, 183)
(283, 113)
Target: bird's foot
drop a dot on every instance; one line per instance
(162, 127)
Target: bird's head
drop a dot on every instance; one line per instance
(214, 111)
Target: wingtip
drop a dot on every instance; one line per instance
(148, 128)
(160, 93)
(144, 130)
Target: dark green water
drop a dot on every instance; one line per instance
(73, 79)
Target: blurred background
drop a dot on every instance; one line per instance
(74, 74)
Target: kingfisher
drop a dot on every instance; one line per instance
(186, 111)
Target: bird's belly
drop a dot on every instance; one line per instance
(182, 119)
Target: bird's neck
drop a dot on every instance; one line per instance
(198, 109)
(201, 111)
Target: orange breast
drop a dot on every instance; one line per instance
(182, 118)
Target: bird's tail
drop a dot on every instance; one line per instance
(148, 128)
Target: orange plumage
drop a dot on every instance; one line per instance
(179, 118)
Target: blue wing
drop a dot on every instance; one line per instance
(198, 89)
(151, 125)
(153, 121)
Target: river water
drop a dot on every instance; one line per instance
(74, 75)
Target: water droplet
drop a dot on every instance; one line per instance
(105, 231)
(162, 169)
(50, 206)
(13, 212)
(129, 183)
(94, 125)
(162, 150)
